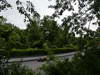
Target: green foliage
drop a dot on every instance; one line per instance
(36, 52)
(83, 63)
(27, 52)
(2, 40)
(46, 37)
(13, 68)
(18, 69)
(50, 31)
(3, 64)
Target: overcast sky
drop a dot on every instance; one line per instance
(41, 6)
(12, 15)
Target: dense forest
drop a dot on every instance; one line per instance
(47, 34)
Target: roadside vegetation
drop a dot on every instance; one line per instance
(46, 36)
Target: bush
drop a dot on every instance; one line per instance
(37, 52)
(3, 65)
(83, 63)
(12, 68)
(62, 50)
(3, 52)
(27, 52)
(18, 69)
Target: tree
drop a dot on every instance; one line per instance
(15, 38)
(69, 34)
(86, 61)
(85, 13)
(31, 16)
(5, 31)
(27, 11)
(34, 34)
(51, 31)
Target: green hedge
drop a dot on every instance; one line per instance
(3, 52)
(35, 52)
(27, 52)
(62, 50)
(38, 52)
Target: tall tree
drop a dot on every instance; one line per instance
(5, 31)
(88, 10)
(51, 31)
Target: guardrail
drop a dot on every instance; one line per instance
(27, 59)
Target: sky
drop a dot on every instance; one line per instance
(12, 15)
(41, 6)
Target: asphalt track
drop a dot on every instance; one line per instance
(33, 63)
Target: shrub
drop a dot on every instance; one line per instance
(27, 52)
(81, 64)
(13, 69)
(38, 52)
(18, 69)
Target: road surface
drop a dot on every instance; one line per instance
(32, 63)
